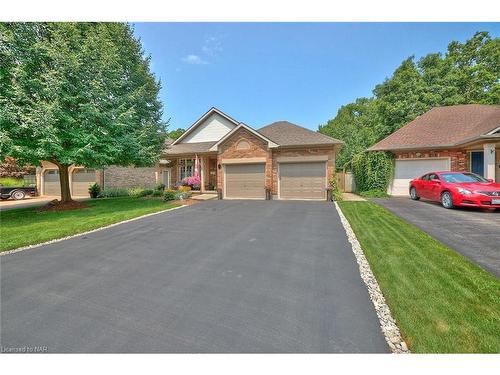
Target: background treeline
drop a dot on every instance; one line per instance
(467, 73)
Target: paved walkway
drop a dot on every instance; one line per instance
(218, 277)
(353, 197)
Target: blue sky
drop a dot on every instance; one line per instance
(301, 72)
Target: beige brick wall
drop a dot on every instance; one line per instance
(295, 152)
(257, 149)
(128, 177)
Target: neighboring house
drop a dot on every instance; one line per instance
(456, 138)
(290, 161)
(80, 178)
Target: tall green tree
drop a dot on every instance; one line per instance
(467, 73)
(174, 134)
(77, 93)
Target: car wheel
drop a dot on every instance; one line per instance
(446, 200)
(18, 195)
(413, 194)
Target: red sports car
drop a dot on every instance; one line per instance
(456, 189)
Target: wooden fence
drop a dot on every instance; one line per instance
(345, 182)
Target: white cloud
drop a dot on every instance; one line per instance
(194, 60)
(212, 46)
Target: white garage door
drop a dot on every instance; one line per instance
(406, 170)
(245, 181)
(302, 180)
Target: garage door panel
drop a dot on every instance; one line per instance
(407, 170)
(82, 179)
(51, 184)
(302, 180)
(245, 181)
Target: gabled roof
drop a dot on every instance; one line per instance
(210, 112)
(188, 148)
(444, 127)
(270, 143)
(285, 133)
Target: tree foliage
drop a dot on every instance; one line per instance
(77, 93)
(467, 73)
(174, 134)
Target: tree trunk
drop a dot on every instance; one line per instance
(64, 181)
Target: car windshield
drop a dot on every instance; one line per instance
(462, 177)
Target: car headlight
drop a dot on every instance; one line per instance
(464, 191)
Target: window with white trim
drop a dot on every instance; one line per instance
(186, 168)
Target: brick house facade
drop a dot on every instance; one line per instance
(238, 158)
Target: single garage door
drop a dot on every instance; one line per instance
(82, 179)
(406, 170)
(245, 181)
(302, 180)
(51, 182)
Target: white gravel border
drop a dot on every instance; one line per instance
(387, 322)
(88, 232)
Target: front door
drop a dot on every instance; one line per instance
(477, 162)
(212, 174)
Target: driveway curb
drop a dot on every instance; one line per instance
(387, 322)
(87, 232)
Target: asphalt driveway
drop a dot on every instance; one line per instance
(473, 233)
(217, 277)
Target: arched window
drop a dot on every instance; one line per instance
(243, 145)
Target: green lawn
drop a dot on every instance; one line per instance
(442, 302)
(26, 226)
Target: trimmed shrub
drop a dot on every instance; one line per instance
(160, 187)
(180, 195)
(184, 188)
(94, 190)
(157, 193)
(139, 192)
(373, 171)
(169, 195)
(114, 193)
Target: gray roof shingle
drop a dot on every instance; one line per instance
(188, 148)
(285, 133)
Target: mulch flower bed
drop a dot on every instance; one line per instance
(56, 205)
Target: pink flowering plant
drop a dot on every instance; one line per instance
(193, 181)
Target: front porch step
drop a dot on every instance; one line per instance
(204, 197)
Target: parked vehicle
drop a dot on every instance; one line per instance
(456, 189)
(16, 192)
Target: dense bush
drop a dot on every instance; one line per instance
(373, 194)
(9, 181)
(94, 190)
(157, 193)
(114, 192)
(169, 195)
(180, 195)
(139, 192)
(160, 187)
(372, 171)
(336, 193)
